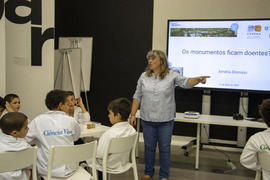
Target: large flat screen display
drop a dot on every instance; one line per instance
(235, 53)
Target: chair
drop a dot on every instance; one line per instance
(16, 160)
(121, 145)
(65, 154)
(264, 160)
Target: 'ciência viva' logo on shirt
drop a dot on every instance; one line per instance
(264, 147)
(57, 132)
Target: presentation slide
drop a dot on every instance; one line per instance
(235, 53)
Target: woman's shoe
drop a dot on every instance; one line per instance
(146, 177)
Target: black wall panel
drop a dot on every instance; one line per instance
(122, 35)
(224, 103)
(254, 100)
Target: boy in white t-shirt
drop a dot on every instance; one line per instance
(259, 142)
(13, 129)
(54, 127)
(77, 108)
(119, 111)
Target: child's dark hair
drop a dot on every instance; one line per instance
(10, 97)
(69, 93)
(264, 110)
(12, 121)
(54, 98)
(121, 106)
(2, 103)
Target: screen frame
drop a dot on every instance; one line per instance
(212, 88)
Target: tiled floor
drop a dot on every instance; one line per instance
(212, 166)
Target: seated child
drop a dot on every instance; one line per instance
(13, 103)
(13, 129)
(2, 106)
(77, 108)
(259, 142)
(54, 127)
(119, 111)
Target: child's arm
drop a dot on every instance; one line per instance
(102, 144)
(249, 157)
(86, 116)
(85, 113)
(80, 104)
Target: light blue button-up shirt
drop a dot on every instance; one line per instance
(157, 96)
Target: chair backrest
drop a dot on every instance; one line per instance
(16, 160)
(65, 154)
(264, 160)
(121, 145)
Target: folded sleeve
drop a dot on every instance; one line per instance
(138, 92)
(181, 81)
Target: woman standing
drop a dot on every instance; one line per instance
(155, 95)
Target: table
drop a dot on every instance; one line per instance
(214, 120)
(96, 132)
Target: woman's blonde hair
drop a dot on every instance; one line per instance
(164, 67)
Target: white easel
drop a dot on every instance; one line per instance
(65, 57)
(75, 43)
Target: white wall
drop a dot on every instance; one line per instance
(202, 9)
(2, 57)
(31, 83)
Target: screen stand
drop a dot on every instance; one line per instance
(206, 106)
(243, 109)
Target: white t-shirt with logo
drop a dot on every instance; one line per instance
(53, 128)
(259, 142)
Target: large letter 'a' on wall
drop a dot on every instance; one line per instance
(31, 83)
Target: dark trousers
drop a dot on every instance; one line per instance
(157, 133)
(99, 174)
(79, 141)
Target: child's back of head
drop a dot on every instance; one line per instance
(14, 124)
(121, 106)
(54, 98)
(264, 110)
